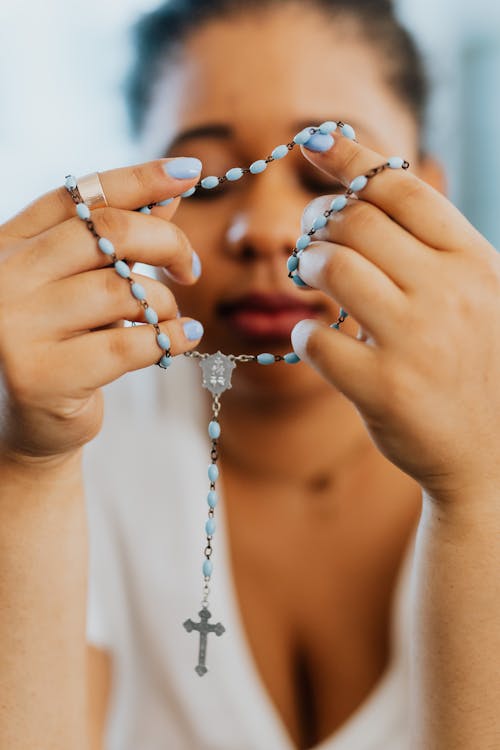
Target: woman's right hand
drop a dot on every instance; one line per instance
(60, 301)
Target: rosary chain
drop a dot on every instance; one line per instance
(122, 268)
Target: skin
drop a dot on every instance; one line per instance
(424, 421)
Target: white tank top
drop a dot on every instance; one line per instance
(146, 487)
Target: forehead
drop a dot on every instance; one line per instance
(262, 71)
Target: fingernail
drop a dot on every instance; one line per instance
(183, 167)
(193, 330)
(319, 142)
(196, 265)
(298, 281)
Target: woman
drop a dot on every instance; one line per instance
(312, 561)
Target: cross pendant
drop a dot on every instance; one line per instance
(204, 629)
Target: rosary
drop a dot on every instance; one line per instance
(217, 368)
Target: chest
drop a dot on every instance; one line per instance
(315, 574)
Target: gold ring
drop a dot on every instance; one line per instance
(91, 191)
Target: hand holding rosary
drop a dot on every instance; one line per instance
(217, 368)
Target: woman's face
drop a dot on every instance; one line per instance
(240, 87)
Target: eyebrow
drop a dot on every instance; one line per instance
(221, 131)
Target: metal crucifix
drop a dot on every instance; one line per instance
(204, 629)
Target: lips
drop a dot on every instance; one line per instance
(266, 316)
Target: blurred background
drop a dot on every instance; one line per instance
(62, 66)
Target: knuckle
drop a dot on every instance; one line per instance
(337, 263)
(180, 240)
(360, 215)
(113, 285)
(141, 177)
(119, 345)
(411, 188)
(350, 160)
(112, 223)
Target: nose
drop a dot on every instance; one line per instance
(265, 224)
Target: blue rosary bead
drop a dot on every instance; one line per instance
(343, 313)
(258, 166)
(165, 361)
(297, 280)
(338, 203)
(209, 182)
(138, 291)
(166, 202)
(188, 193)
(213, 472)
(336, 326)
(279, 152)
(151, 315)
(348, 132)
(395, 162)
(303, 242)
(83, 211)
(122, 269)
(291, 358)
(207, 568)
(163, 341)
(214, 429)
(212, 498)
(292, 263)
(319, 222)
(359, 183)
(70, 182)
(327, 127)
(266, 359)
(145, 210)
(236, 173)
(301, 138)
(106, 246)
(210, 527)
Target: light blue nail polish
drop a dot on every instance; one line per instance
(196, 265)
(319, 142)
(193, 330)
(183, 167)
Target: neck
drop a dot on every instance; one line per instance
(308, 439)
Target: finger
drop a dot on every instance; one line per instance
(105, 355)
(357, 285)
(127, 187)
(70, 248)
(345, 362)
(413, 204)
(100, 298)
(368, 230)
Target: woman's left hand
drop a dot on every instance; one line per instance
(424, 286)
